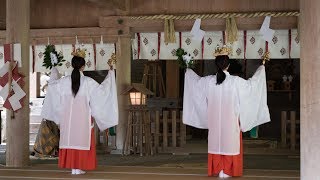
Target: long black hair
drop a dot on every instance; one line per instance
(222, 62)
(235, 68)
(77, 64)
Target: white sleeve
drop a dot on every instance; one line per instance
(195, 100)
(253, 100)
(51, 109)
(104, 102)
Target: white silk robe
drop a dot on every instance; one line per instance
(220, 107)
(73, 114)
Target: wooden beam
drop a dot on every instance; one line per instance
(147, 7)
(186, 25)
(67, 35)
(67, 32)
(71, 40)
(121, 4)
(110, 27)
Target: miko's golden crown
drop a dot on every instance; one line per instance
(224, 50)
(79, 52)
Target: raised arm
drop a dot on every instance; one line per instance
(51, 108)
(195, 100)
(103, 101)
(253, 100)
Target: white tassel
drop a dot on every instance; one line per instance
(77, 42)
(101, 40)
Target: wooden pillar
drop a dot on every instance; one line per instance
(310, 86)
(172, 79)
(38, 89)
(17, 29)
(123, 80)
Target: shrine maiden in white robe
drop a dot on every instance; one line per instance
(219, 108)
(73, 114)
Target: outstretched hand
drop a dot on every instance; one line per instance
(110, 65)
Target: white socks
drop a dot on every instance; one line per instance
(77, 171)
(223, 175)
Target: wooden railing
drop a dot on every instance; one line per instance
(150, 132)
(173, 132)
(289, 132)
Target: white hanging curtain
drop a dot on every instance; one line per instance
(285, 44)
(147, 45)
(97, 56)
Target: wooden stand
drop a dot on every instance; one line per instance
(138, 137)
(152, 78)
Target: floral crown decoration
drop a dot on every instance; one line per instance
(224, 50)
(79, 53)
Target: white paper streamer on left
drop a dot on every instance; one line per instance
(4, 92)
(18, 92)
(15, 98)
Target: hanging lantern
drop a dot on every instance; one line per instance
(137, 94)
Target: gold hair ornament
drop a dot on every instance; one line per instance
(79, 53)
(224, 50)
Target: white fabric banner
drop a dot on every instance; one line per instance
(279, 46)
(66, 50)
(255, 45)
(238, 47)
(295, 44)
(191, 46)
(149, 46)
(168, 51)
(39, 55)
(90, 66)
(211, 40)
(103, 54)
(134, 44)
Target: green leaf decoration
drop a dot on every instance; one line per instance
(182, 63)
(47, 58)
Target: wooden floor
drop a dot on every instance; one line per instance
(50, 171)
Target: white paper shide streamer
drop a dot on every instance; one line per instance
(187, 58)
(54, 59)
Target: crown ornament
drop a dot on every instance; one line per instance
(79, 53)
(220, 51)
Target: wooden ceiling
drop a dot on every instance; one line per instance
(86, 13)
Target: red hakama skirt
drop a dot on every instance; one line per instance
(231, 165)
(79, 159)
